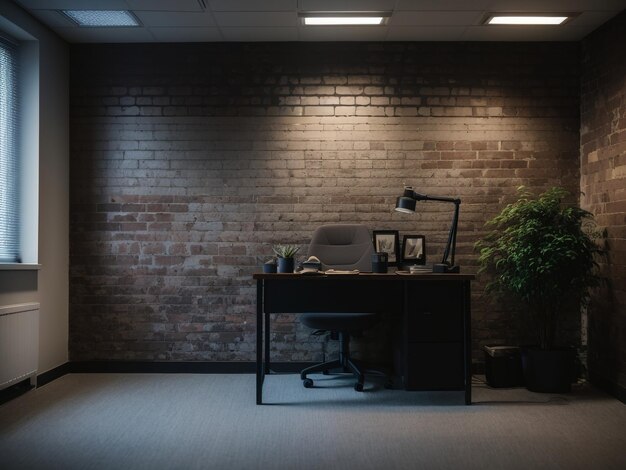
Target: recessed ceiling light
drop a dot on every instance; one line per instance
(528, 18)
(102, 18)
(345, 18)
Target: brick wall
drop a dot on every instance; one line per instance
(189, 161)
(603, 182)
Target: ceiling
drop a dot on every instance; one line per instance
(277, 20)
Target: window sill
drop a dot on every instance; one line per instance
(20, 267)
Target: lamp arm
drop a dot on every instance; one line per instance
(451, 245)
(424, 197)
(450, 250)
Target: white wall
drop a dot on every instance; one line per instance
(49, 286)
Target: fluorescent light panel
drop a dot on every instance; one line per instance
(527, 20)
(101, 18)
(342, 20)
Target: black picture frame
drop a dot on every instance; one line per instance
(414, 249)
(387, 241)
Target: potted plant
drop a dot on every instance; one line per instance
(286, 255)
(541, 253)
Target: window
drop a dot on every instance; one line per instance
(9, 156)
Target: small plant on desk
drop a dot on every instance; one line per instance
(286, 251)
(286, 255)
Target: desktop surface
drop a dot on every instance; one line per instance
(369, 276)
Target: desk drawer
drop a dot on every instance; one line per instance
(315, 294)
(434, 366)
(434, 312)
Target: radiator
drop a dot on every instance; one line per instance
(19, 343)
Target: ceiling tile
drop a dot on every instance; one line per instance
(74, 4)
(53, 18)
(432, 18)
(252, 5)
(164, 5)
(260, 34)
(592, 18)
(186, 34)
(175, 19)
(425, 33)
(442, 5)
(555, 5)
(346, 5)
(117, 35)
(251, 19)
(419, 20)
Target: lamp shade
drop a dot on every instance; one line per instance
(405, 204)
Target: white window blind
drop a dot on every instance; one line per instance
(9, 155)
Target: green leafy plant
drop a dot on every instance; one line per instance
(285, 251)
(543, 253)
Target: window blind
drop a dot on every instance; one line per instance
(9, 155)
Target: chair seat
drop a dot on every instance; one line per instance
(339, 321)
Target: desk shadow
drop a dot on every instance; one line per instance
(559, 401)
(374, 394)
(407, 402)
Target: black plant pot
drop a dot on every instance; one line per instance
(286, 265)
(548, 371)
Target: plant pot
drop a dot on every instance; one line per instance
(269, 268)
(548, 371)
(286, 265)
(503, 366)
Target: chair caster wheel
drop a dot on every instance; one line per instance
(308, 383)
(358, 387)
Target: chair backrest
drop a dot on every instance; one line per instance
(345, 246)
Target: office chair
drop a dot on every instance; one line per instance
(342, 247)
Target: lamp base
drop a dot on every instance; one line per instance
(444, 268)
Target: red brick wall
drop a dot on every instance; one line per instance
(189, 161)
(603, 182)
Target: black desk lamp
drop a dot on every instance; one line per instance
(406, 204)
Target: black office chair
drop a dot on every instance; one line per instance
(343, 247)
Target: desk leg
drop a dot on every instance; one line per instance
(467, 327)
(266, 363)
(259, 342)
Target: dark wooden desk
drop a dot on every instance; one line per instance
(434, 350)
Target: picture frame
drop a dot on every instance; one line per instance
(414, 249)
(388, 241)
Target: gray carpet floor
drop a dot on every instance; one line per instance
(159, 421)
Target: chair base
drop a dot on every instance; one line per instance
(345, 362)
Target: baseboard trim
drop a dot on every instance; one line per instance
(190, 367)
(137, 367)
(608, 386)
(53, 374)
(14, 391)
